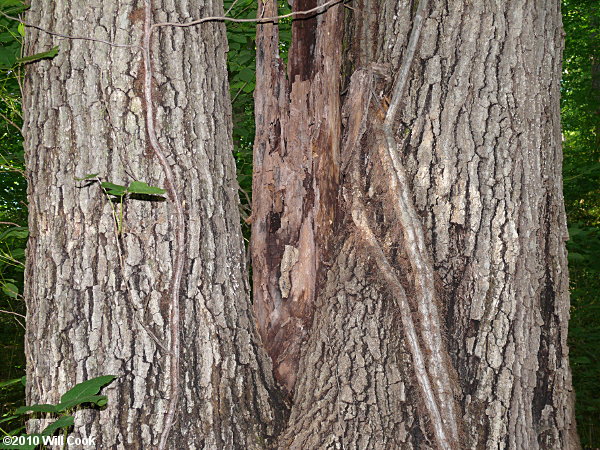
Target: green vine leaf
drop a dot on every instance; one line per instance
(9, 383)
(139, 187)
(36, 408)
(11, 290)
(85, 392)
(117, 190)
(44, 55)
(63, 422)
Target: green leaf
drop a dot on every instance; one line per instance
(32, 58)
(8, 419)
(18, 253)
(24, 380)
(36, 408)
(246, 75)
(12, 7)
(62, 422)
(87, 177)
(21, 29)
(9, 383)
(99, 400)
(11, 290)
(81, 392)
(114, 189)
(139, 187)
(15, 232)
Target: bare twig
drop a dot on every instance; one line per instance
(315, 10)
(12, 312)
(10, 260)
(231, 7)
(68, 36)
(10, 122)
(10, 223)
(10, 167)
(238, 93)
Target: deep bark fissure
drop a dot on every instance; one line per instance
(119, 277)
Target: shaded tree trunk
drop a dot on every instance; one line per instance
(409, 267)
(443, 318)
(98, 299)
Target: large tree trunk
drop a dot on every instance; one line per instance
(410, 270)
(443, 319)
(99, 301)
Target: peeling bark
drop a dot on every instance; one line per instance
(295, 178)
(477, 145)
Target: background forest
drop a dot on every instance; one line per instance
(581, 144)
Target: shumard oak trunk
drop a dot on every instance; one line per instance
(435, 312)
(93, 296)
(463, 290)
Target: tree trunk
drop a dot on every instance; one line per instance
(99, 288)
(443, 319)
(408, 228)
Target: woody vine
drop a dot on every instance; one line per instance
(173, 350)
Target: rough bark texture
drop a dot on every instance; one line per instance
(295, 179)
(95, 298)
(479, 139)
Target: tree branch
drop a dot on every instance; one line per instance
(67, 36)
(13, 313)
(315, 10)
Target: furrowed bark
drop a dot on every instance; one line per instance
(88, 314)
(476, 143)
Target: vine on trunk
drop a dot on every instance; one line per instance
(421, 322)
(174, 348)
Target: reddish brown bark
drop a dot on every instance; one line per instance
(295, 178)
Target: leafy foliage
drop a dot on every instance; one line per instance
(82, 395)
(581, 132)
(13, 214)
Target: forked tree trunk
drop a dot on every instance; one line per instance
(411, 282)
(443, 318)
(97, 296)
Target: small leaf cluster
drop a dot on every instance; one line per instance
(121, 190)
(82, 395)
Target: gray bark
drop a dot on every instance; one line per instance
(455, 341)
(95, 298)
(478, 136)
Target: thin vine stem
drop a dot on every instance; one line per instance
(294, 14)
(441, 407)
(179, 226)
